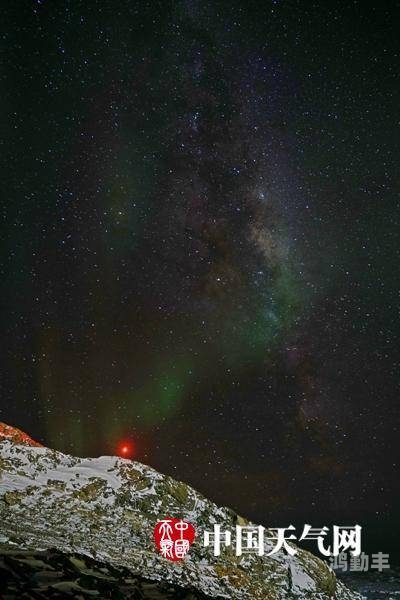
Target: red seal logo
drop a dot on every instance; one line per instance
(173, 538)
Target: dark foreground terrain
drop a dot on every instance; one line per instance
(52, 574)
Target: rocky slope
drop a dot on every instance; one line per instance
(82, 527)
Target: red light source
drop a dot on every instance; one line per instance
(125, 449)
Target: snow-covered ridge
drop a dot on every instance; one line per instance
(16, 435)
(106, 508)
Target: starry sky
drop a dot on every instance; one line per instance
(200, 245)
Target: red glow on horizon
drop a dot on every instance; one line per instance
(125, 449)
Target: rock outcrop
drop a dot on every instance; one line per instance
(73, 520)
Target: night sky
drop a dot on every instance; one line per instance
(200, 245)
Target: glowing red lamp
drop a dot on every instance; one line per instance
(125, 449)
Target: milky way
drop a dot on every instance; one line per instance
(200, 245)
